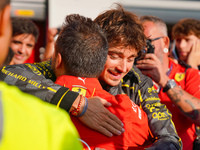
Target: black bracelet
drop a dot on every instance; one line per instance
(84, 109)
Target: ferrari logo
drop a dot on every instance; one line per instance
(179, 77)
(80, 90)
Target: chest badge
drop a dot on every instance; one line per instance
(179, 76)
(79, 89)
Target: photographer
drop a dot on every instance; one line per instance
(178, 87)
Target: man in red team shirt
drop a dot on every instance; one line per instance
(80, 54)
(178, 87)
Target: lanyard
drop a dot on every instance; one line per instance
(169, 70)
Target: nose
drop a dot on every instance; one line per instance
(182, 43)
(22, 49)
(122, 66)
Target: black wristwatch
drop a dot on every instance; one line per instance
(170, 84)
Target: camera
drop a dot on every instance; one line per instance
(149, 48)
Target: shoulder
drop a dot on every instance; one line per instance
(136, 76)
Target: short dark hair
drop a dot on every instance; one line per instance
(83, 46)
(24, 25)
(187, 26)
(122, 28)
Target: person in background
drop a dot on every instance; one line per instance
(90, 48)
(186, 36)
(177, 86)
(24, 37)
(125, 37)
(22, 126)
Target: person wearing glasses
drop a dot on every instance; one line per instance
(177, 86)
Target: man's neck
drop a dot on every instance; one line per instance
(165, 63)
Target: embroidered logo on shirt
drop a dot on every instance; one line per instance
(79, 89)
(79, 78)
(179, 76)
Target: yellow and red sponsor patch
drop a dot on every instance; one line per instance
(80, 89)
(179, 76)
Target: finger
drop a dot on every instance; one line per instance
(193, 48)
(114, 120)
(104, 131)
(145, 66)
(105, 102)
(110, 126)
(148, 61)
(116, 124)
(198, 46)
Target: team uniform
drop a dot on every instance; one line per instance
(27, 123)
(141, 91)
(35, 79)
(189, 80)
(134, 119)
(136, 85)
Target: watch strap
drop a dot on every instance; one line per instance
(170, 84)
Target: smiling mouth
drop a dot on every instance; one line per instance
(18, 56)
(115, 75)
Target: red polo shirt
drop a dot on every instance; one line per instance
(190, 82)
(134, 119)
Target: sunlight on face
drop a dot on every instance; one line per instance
(22, 46)
(118, 64)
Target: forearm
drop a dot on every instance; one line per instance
(188, 104)
(30, 80)
(48, 51)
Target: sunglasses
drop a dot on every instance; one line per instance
(151, 40)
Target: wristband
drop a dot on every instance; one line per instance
(84, 109)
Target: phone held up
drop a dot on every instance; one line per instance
(149, 48)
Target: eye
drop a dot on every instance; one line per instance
(113, 56)
(131, 59)
(16, 42)
(29, 45)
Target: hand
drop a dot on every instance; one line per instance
(152, 67)
(194, 55)
(100, 119)
(49, 49)
(51, 34)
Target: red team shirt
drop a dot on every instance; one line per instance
(134, 119)
(189, 81)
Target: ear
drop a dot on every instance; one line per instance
(166, 42)
(58, 60)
